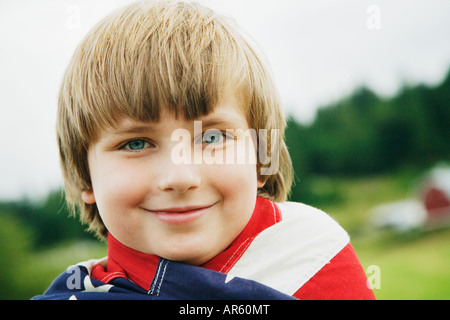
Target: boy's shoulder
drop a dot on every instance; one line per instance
(305, 224)
(287, 254)
(309, 220)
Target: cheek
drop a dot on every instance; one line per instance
(116, 187)
(237, 185)
(117, 196)
(237, 175)
(235, 181)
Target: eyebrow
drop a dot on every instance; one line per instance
(132, 129)
(127, 129)
(223, 119)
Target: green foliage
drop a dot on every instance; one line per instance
(49, 220)
(15, 243)
(25, 228)
(365, 135)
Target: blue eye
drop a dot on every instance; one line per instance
(212, 137)
(136, 145)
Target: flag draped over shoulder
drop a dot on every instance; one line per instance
(286, 251)
(174, 280)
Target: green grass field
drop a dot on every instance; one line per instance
(414, 265)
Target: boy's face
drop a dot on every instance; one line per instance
(157, 192)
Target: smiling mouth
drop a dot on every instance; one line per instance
(180, 215)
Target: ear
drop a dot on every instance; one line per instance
(88, 196)
(260, 183)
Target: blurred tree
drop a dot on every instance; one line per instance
(15, 244)
(49, 219)
(298, 146)
(54, 222)
(363, 134)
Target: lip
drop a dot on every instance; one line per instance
(180, 215)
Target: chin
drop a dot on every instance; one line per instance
(191, 256)
(194, 261)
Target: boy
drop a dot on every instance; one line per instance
(171, 142)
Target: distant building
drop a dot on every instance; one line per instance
(429, 208)
(435, 196)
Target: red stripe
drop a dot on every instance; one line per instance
(343, 278)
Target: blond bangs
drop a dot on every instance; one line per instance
(142, 59)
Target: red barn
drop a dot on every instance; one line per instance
(435, 195)
(429, 207)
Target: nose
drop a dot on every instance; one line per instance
(179, 177)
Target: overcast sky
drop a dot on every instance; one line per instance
(319, 51)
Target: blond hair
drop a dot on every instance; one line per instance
(150, 55)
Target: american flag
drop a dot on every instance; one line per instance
(175, 281)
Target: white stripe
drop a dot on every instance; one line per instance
(286, 255)
(89, 264)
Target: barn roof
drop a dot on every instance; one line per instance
(439, 178)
